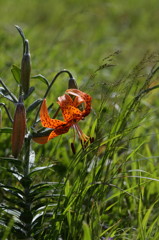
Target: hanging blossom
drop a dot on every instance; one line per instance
(71, 114)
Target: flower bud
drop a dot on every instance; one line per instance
(72, 84)
(26, 69)
(19, 128)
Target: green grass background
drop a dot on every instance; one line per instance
(78, 36)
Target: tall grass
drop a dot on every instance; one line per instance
(101, 191)
(108, 190)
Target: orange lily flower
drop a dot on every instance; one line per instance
(71, 114)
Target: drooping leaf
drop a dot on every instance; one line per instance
(31, 90)
(19, 230)
(42, 79)
(45, 183)
(17, 202)
(6, 130)
(14, 191)
(16, 71)
(11, 160)
(13, 212)
(42, 133)
(6, 95)
(3, 223)
(39, 219)
(19, 175)
(37, 169)
(42, 189)
(41, 206)
(51, 196)
(34, 105)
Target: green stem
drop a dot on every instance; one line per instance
(54, 79)
(26, 215)
(27, 155)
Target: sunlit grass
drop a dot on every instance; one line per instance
(109, 189)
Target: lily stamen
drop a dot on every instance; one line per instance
(84, 138)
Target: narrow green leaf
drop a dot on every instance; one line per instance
(42, 189)
(147, 215)
(39, 217)
(114, 226)
(43, 205)
(6, 130)
(31, 90)
(87, 234)
(52, 196)
(6, 187)
(14, 191)
(3, 223)
(20, 32)
(22, 35)
(5, 94)
(8, 114)
(42, 79)
(15, 173)
(14, 212)
(37, 169)
(42, 132)
(46, 183)
(34, 105)
(16, 71)
(11, 160)
(16, 201)
(151, 228)
(10, 224)
(20, 231)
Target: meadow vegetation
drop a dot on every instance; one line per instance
(108, 189)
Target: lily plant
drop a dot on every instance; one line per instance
(28, 203)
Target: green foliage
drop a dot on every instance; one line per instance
(108, 190)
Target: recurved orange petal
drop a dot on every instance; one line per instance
(78, 100)
(46, 120)
(76, 92)
(69, 111)
(65, 100)
(81, 97)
